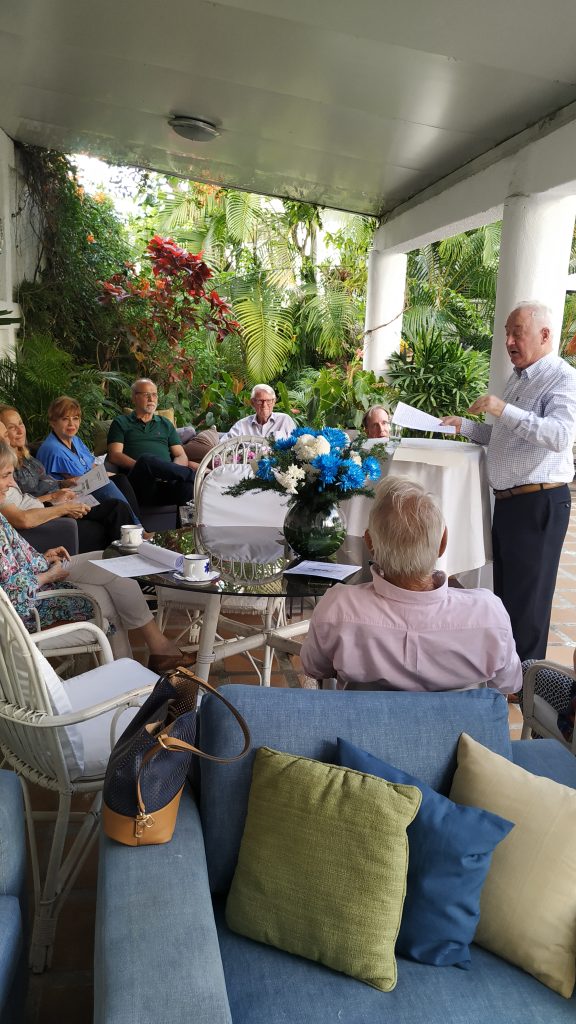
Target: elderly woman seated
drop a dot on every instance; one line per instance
(407, 629)
(23, 572)
(36, 498)
(67, 459)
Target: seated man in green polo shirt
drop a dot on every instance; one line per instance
(148, 449)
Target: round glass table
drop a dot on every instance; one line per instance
(251, 562)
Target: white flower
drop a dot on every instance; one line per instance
(354, 457)
(290, 479)
(308, 447)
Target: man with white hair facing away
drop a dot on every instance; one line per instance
(264, 421)
(407, 629)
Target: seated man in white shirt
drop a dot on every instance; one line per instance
(407, 630)
(264, 421)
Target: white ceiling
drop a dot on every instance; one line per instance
(354, 104)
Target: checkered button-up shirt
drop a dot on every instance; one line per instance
(531, 442)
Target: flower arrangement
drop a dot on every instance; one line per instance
(315, 467)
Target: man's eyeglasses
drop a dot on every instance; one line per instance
(149, 394)
(264, 401)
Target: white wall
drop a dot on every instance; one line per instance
(7, 253)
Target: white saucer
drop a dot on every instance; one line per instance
(211, 578)
(129, 549)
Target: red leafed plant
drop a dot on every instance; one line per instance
(161, 313)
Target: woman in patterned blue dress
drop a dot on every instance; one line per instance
(24, 571)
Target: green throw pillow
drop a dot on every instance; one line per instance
(322, 865)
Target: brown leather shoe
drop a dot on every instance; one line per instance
(162, 663)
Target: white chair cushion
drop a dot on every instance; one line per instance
(545, 713)
(70, 737)
(94, 687)
(256, 508)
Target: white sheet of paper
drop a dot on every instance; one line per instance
(91, 481)
(332, 570)
(149, 559)
(408, 416)
(130, 566)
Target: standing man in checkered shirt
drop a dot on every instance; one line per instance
(530, 465)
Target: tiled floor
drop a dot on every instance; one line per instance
(63, 995)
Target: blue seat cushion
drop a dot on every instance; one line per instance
(267, 986)
(10, 946)
(546, 757)
(450, 853)
(417, 732)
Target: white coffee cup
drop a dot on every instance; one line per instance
(196, 567)
(131, 535)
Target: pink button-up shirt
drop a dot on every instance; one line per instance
(442, 639)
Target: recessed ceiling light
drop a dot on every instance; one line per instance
(194, 128)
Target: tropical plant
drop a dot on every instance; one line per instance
(334, 396)
(438, 376)
(451, 288)
(40, 372)
(162, 312)
(80, 242)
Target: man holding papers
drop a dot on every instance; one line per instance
(530, 464)
(407, 630)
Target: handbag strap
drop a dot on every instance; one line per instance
(164, 741)
(171, 743)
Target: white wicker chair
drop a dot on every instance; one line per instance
(224, 465)
(539, 716)
(57, 734)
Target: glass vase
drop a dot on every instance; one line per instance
(314, 533)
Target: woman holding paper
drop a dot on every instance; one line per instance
(67, 459)
(24, 571)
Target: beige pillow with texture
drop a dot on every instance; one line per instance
(528, 903)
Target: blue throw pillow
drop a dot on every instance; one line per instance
(450, 850)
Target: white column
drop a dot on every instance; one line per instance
(534, 254)
(384, 308)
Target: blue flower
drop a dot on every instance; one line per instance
(337, 439)
(265, 468)
(371, 468)
(328, 466)
(351, 476)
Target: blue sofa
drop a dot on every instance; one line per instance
(163, 951)
(13, 912)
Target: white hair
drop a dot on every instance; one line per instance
(8, 456)
(541, 313)
(262, 387)
(406, 527)
(141, 380)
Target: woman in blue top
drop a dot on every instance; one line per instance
(66, 458)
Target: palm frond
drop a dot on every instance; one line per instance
(267, 331)
(241, 208)
(331, 316)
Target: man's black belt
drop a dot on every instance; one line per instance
(526, 489)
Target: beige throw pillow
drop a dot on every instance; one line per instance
(528, 903)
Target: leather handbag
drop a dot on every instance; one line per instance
(149, 763)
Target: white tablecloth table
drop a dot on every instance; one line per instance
(456, 474)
